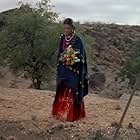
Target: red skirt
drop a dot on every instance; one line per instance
(64, 107)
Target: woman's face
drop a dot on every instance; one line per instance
(68, 30)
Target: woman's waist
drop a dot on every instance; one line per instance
(68, 69)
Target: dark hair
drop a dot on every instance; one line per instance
(70, 22)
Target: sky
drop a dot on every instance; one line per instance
(108, 11)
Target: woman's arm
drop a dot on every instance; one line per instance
(83, 72)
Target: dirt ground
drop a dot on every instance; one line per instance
(25, 114)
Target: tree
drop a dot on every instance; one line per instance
(88, 42)
(132, 68)
(26, 42)
(29, 40)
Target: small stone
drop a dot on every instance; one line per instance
(130, 126)
(2, 138)
(117, 107)
(114, 124)
(33, 117)
(11, 138)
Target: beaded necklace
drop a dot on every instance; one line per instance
(69, 38)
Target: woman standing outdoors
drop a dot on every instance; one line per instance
(72, 81)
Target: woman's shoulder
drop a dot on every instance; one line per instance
(79, 40)
(61, 35)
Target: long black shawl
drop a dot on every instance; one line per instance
(76, 76)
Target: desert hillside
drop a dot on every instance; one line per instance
(112, 46)
(26, 115)
(28, 47)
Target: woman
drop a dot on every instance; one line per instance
(72, 83)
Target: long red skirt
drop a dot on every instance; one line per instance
(64, 107)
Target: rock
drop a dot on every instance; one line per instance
(114, 124)
(130, 126)
(33, 117)
(98, 135)
(97, 81)
(117, 107)
(11, 138)
(2, 138)
(13, 85)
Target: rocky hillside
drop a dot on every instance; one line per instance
(114, 45)
(26, 113)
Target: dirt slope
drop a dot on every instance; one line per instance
(26, 114)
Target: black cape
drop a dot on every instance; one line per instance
(75, 76)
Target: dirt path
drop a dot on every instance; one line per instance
(26, 114)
